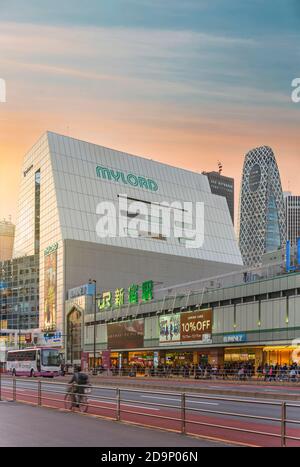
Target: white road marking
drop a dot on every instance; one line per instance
(162, 398)
(177, 400)
(129, 405)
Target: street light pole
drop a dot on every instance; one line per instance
(95, 318)
(71, 343)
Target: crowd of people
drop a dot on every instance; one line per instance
(243, 371)
(279, 372)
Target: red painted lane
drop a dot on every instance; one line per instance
(142, 416)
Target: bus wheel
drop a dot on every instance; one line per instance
(31, 374)
(14, 374)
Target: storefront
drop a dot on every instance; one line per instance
(178, 358)
(238, 355)
(281, 355)
(141, 359)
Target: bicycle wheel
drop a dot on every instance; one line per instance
(69, 404)
(83, 404)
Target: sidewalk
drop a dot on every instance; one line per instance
(51, 428)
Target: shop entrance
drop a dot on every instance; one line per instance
(278, 355)
(140, 363)
(203, 359)
(237, 357)
(179, 358)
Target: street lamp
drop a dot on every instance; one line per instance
(71, 342)
(95, 317)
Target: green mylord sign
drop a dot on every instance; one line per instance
(126, 178)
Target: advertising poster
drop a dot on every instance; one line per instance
(126, 335)
(196, 326)
(169, 329)
(50, 281)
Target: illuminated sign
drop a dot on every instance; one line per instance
(116, 299)
(126, 179)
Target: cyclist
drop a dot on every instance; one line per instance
(79, 381)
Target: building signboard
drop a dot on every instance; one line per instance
(118, 298)
(126, 178)
(194, 326)
(234, 338)
(126, 335)
(86, 289)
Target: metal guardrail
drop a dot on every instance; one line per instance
(43, 395)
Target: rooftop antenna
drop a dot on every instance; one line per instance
(220, 165)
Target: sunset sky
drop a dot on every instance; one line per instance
(186, 82)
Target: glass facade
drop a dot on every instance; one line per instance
(19, 293)
(37, 212)
(262, 221)
(273, 228)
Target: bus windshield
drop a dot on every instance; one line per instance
(50, 357)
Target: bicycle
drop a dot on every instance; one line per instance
(74, 399)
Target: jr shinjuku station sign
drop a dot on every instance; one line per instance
(117, 298)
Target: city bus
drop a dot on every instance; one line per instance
(34, 362)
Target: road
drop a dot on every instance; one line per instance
(163, 410)
(50, 428)
(257, 387)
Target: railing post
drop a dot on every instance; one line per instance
(183, 420)
(14, 389)
(39, 393)
(118, 401)
(283, 424)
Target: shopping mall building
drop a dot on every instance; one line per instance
(86, 212)
(249, 316)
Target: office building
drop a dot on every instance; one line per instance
(262, 222)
